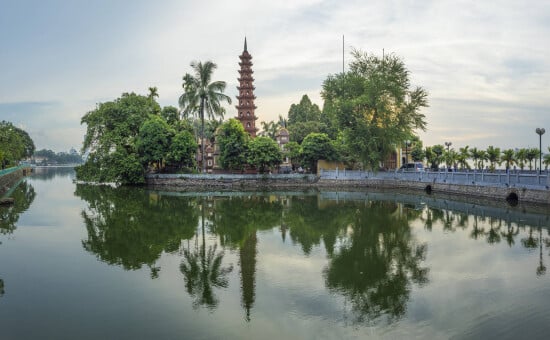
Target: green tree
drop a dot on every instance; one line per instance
(111, 132)
(15, 144)
(300, 130)
(153, 141)
(375, 105)
(434, 155)
(317, 146)
(417, 152)
(294, 152)
(304, 112)
(264, 153)
(463, 155)
(521, 157)
(493, 156)
(233, 142)
(531, 155)
(182, 150)
(170, 114)
(270, 129)
(200, 95)
(509, 158)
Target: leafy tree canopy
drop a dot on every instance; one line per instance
(374, 105)
(317, 146)
(233, 142)
(264, 153)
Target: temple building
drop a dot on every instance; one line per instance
(246, 108)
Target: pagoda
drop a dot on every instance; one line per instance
(246, 107)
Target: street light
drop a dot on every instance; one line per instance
(407, 143)
(540, 132)
(448, 145)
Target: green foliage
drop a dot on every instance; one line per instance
(374, 106)
(120, 227)
(303, 112)
(270, 129)
(182, 150)
(493, 156)
(531, 155)
(233, 143)
(15, 144)
(300, 130)
(417, 152)
(200, 95)
(154, 139)
(170, 114)
(60, 157)
(508, 157)
(317, 146)
(521, 157)
(294, 152)
(264, 153)
(434, 156)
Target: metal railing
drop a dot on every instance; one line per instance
(482, 178)
(10, 170)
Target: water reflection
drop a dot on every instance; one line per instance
(128, 227)
(373, 258)
(50, 172)
(23, 195)
(377, 262)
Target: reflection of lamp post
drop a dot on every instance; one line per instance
(407, 143)
(540, 132)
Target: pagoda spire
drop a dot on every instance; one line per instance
(246, 97)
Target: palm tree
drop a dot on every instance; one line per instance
(521, 157)
(463, 155)
(282, 121)
(153, 93)
(493, 155)
(474, 155)
(202, 94)
(546, 161)
(531, 155)
(203, 270)
(270, 129)
(508, 157)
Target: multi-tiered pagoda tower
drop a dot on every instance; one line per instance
(246, 107)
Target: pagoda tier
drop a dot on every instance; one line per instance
(246, 108)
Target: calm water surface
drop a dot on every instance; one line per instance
(95, 262)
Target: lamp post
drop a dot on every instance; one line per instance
(448, 145)
(407, 142)
(540, 132)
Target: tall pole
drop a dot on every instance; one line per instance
(343, 54)
(540, 132)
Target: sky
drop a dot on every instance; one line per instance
(485, 64)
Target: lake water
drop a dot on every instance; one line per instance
(95, 262)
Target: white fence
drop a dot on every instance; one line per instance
(516, 179)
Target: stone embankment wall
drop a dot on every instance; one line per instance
(303, 182)
(230, 182)
(528, 195)
(8, 179)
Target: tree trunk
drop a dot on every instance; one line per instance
(202, 136)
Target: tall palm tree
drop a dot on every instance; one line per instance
(493, 155)
(474, 154)
(531, 156)
(521, 157)
(203, 94)
(463, 155)
(269, 129)
(509, 158)
(203, 271)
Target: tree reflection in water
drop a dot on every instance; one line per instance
(130, 227)
(203, 270)
(23, 196)
(377, 262)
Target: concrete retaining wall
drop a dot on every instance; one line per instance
(9, 178)
(275, 182)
